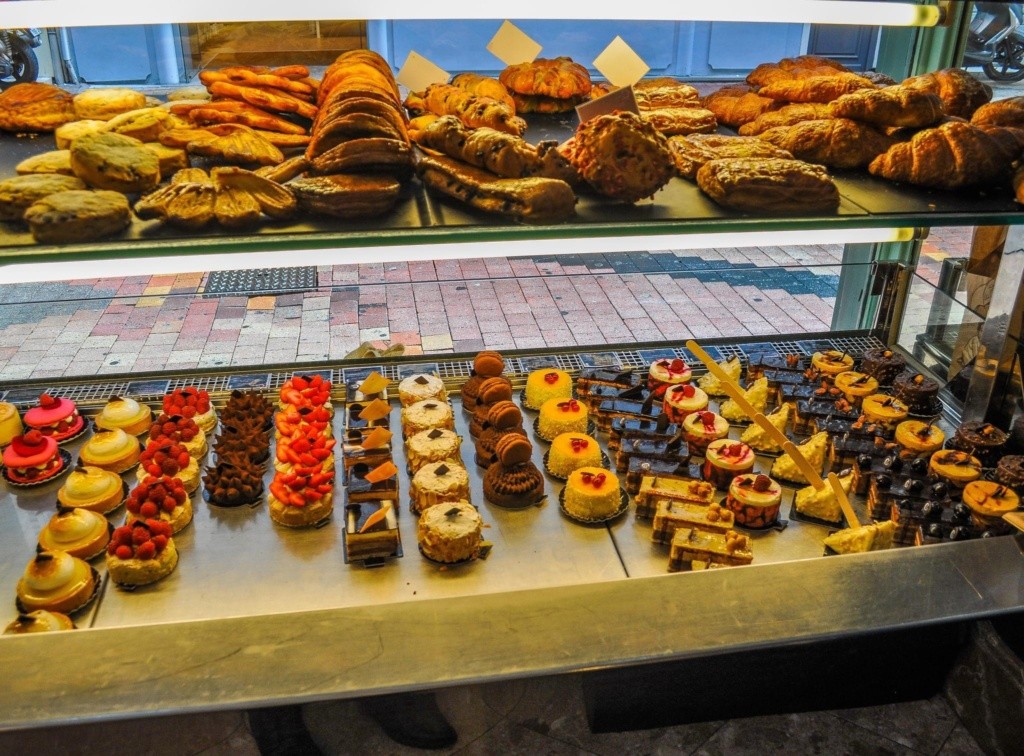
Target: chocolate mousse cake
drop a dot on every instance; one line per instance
(634, 427)
(883, 364)
(1010, 471)
(983, 440)
(674, 450)
(919, 392)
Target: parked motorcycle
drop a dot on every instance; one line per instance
(995, 40)
(18, 61)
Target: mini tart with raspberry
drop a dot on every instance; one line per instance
(300, 452)
(78, 532)
(182, 430)
(32, 458)
(141, 552)
(55, 581)
(726, 459)
(667, 372)
(311, 421)
(125, 414)
(306, 391)
(112, 450)
(56, 417)
(545, 384)
(754, 500)
(682, 400)
(39, 621)
(193, 404)
(168, 458)
(571, 451)
(160, 498)
(92, 488)
(298, 501)
(561, 416)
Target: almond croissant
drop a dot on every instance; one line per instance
(952, 156)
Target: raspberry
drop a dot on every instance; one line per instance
(159, 542)
(112, 548)
(180, 496)
(762, 483)
(169, 503)
(123, 552)
(149, 509)
(154, 469)
(169, 467)
(146, 550)
(183, 459)
(139, 535)
(189, 412)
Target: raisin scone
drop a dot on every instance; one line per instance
(78, 215)
(18, 193)
(104, 104)
(54, 161)
(115, 162)
(770, 185)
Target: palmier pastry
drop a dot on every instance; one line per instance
(961, 93)
(78, 532)
(273, 199)
(34, 106)
(55, 581)
(952, 156)
(234, 143)
(559, 78)
(1008, 112)
(18, 193)
(835, 142)
(690, 152)
(768, 185)
(346, 195)
(673, 121)
(737, 104)
(786, 116)
(186, 204)
(77, 216)
(890, 106)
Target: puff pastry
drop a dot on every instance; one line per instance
(814, 88)
(689, 153)
(674, 121)
(961, 93)
(787, 115)
(484, 86)
(768, 185)
(560, 78)
(737, 104)
(835, 142)
(472, 110)
(890, 106)
(1008, 112)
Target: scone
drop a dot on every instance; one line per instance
(171, 159)
(104, 104)
(145, 124)
(69, 132)
(54, 161)
(78, 215)
(19, 193)
(116, 162)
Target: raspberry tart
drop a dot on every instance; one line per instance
(193, 404)
(32, 458)
(55, 581)
(56, 417)
(125, 414)
(168, 458)
(141, 552)
(182, 430)
(300, 500)
(161, 497)
(78, 532)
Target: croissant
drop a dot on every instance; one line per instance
(561, 78)
(786, 116)
(1008, 112)
(484, 86)
(472, 110)
(736, 105)
(961, 93)
(952, 156)
(836, 142)
(800, 67)
(891, 106)
(814, 88)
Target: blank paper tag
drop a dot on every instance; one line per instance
(620, 64)
(620, 99)
(418, 73)
(512, 45)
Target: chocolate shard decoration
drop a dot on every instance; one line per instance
(64, 511)
(422, 380)
(636, 392)
(452, 513)
(430, 405)
(662, 423)
(442, 470)
(648, 404)
(435, 434)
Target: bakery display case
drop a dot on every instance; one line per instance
(256, 614)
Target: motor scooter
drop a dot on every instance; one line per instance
(18, 61)
(995, 40)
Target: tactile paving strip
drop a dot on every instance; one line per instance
(267, 281)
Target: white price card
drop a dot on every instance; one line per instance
(511, 45)
(619, 99)
(620, 64)
(418, 73)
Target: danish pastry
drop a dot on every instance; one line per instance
(768, 185)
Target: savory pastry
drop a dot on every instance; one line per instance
(10, 423)
(472, 110)
(126, 414)
(54, 161)
(592, 493)
(961, 93)
(112, 450)
(92, 488)
(115, 162)
(834, 142)
(55, 416)
(32, 106)
(690, 152)
(32, 458)
(1008, 112)
(483, 86)
(160, 497)
(346, 196)
(787, 115)
(530, 200)
(621, 156)
(547, 85)
(737, 104)
(890, 106)
(450, 533)
(954, 155)
(55, 581)
(19, 193)
(104, 104)
(141, 553)
(78, 532)
(681, 121)
(769, 185)
(77, 216)
(39, 621)
(500, 153)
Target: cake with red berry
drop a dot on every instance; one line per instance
(591, 493)
(160, 497)
(571, 451)
(301, 500)
(182, 430)
(667, 372)
(168, 458)
(194, 404)
(754, 500)
(56, 417)
(726, 459)
(682, 400)
(141, 552)
(306, 391)
(545, 384)
(301, 451)
(78, 532)
(32, 458)
(561, 416)
(313, 421)
(124, 413)
(701, 428)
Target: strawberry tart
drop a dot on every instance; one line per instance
(306, 391)
(32, 458)
(194, 404)
(163, 498)
(141, 552)
(300, 452)
(300, 500)
(56, 417)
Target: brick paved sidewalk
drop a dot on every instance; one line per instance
(89, 327)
